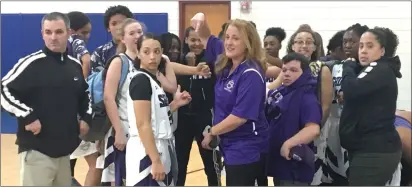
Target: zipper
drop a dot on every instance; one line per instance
(190, 88)
(204, 96)
(254, 128)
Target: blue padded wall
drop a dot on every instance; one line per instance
(21, 35)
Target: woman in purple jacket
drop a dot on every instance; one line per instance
(239, 118)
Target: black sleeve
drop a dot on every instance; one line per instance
(15, 90)
(370, 79)
(140, 88)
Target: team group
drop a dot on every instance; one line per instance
(304, 119)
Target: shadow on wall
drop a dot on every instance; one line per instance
(21, 34)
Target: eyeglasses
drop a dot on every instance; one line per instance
(301, 42)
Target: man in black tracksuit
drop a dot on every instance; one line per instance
(46, 91)
(192, 120)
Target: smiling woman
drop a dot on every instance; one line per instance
(238, 119)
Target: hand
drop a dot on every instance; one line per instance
(285, 150)
(158, 171)
(315, 68)
(351, 63)
(34, 127)
(120, 140)
(203, 69)
(191, 59)
(280, 76)
(84, 128)
(98, 143)
(181, 98)
(340, 97)
(198, 21)
(207, 138)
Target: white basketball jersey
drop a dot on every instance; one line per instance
(123, 95)
(161, 114)
(337, 70)
(336, 158)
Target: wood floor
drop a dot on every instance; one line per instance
(10, 165)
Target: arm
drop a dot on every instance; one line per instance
(142, 111)
(96, 61)
(326, 92)
(79, 48)
(273, 72)
(276, 83)
(274, 61)
(169, 82)
(307, 135)
(213, 46)
(140, 92)
(173, 106)
(110, 91)
(85, 110)
(310, 117)
(214, 49)
(203, 30)
(230, 123)
(181, 69)
(371, 79)
(16, 89)
(405, 135)
(251, 88)
(85, 64)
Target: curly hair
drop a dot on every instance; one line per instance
(77, 20)
(114, 10)
(276, 32)
(336, 41)
(387, 39)
(358, 29)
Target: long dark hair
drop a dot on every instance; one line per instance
(139, 46)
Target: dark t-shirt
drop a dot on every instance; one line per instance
(140, 87)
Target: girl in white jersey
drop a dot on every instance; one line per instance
(150, 156)
(115, 101)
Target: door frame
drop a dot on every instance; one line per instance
(182, 6)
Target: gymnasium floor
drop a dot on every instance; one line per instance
(10, 165)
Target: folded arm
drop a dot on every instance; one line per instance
(15, 91)
(371, 79)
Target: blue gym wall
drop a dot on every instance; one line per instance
(20, 36)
